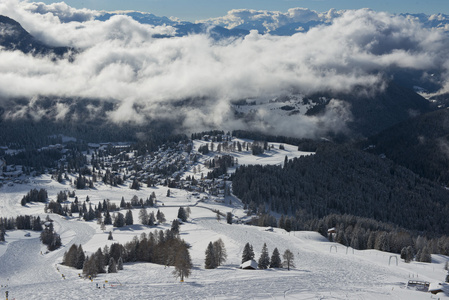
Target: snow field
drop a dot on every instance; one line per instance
(323, 270)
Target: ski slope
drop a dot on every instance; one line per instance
(324, 270)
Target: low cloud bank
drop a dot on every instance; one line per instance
(123, 62)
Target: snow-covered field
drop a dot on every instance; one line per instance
(323, 270)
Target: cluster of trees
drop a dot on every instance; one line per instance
(159, 247)
(26, 222)
(364, 233)
(35, 195)
(311, 187)
(215, 254)
(50, 238)
(265, 261)
(22, 222)
(220, 165)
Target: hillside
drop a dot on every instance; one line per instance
(14, 37)
(419, 144)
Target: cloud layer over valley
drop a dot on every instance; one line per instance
(195, 78)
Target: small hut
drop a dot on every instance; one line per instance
(249, 265)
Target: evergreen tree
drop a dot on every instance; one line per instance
(107, 218)
(175, 226)
(425, 255)
(275, 259)
(264, 259)
(120, 264)
(143, 216)
(112, 267)
(119, 220)
(210, 261)
(160, 216)
(69, 258)
(129, 218)
(182, 214)
(110, 238)
(90, 267)
(248, 253)
(229, 218)
(99, 261)
(183, 262)
(80, 258)
(288, 259)
(219, 252)
(151, 219)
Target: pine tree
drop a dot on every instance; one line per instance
(183, 262)
(264, 259)
(275, 259)
(129, 218)
(143, 216)
(99, 261)
(160, 216)
(175, 226)
(120, 264)
(210, 260)
(119, 220)
(229, 218)
(107, 218)
(219, 252)
(288, 259)
(151, 219)
(70, 256)
(112, 267)
(425, 255)
(182, 214)
(80, 258)
(90, 267)
(248, 253)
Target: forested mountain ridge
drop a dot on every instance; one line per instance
(420, 144)
(14, 37)
(343, 180)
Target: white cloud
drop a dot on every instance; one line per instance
(120, 61)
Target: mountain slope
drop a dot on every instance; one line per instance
(14, 37)
(420, 144)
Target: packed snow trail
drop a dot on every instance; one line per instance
(27, 263)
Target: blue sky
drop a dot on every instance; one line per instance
(203, 9)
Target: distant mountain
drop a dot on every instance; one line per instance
(14, 37)
(183, 28)
(370, 112)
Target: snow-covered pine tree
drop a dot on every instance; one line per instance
(264, 259)
(120, 263)
(112, 267)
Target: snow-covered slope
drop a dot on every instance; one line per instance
(323, 269)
